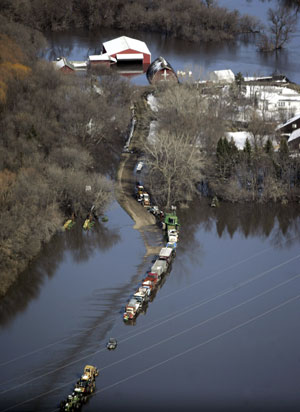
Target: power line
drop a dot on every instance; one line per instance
(228, 331)
(178, 334)
(246, 282)
(198, 345)
(164, 297)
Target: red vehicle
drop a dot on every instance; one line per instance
(153, 277)
(148, 284)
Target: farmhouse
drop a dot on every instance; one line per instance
(290, 125)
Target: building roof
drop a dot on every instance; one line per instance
(61, 62)
(157, 65)
(290, 121)
(124, 43)
(102, 57)
(294, 135)
(222, 76)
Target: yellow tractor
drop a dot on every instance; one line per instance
(89, 372)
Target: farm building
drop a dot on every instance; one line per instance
(126, 49)
(161, 70)
(63, 64)
(101, 59)
(277, 78)
(222, 76)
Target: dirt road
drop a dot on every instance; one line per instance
(145, 222)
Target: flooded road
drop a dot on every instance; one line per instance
(221, 332)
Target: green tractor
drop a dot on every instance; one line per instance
(171, 225)
(171, 221)
(73, 403)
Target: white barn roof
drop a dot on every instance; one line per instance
(124, 43)
(226, 76)
(102, 57)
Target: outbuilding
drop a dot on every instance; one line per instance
(63, 64)
(222, 76)
(161, 70)
(126, 49)
(103, 58)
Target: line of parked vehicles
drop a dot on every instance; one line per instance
(145, 292)
(149, 285)
(83, 389)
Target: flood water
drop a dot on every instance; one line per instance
(200, 58)
(222, 331)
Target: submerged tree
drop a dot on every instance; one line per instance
(282, 23)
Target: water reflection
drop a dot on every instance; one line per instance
(279, 222)
(77, 242)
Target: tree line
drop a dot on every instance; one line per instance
(192, 19)
(60, 140)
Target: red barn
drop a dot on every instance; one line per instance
(63, 65)
(161, 70)
(126, 49)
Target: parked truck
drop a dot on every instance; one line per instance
(132, 308)
(153, 277)
(166, 253)
(172, 235)
(142, 294)
(171, 221)
(160, 267)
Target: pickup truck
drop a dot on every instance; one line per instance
(160, 266)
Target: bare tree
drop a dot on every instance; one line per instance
(174, 165)
(282, 23)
